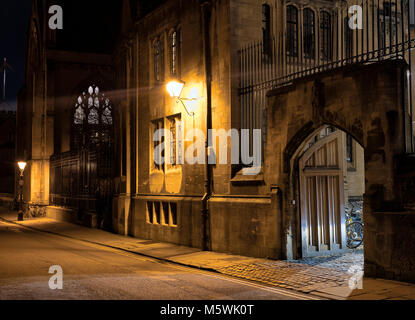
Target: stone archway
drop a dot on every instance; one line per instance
(368, 102)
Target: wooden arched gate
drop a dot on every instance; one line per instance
(323, 227)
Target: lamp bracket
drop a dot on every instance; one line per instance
(192, 114)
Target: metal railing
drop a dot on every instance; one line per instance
(386, 32)
(79, 179)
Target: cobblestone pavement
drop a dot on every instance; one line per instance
(342, 262)
(305, 275)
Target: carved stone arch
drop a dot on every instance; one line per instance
(367, 102)
(292, 4)
(174, 50)
(294, 144)
(307, 131)
(312, 8)
(293, 150)
(293, 179)
(176, 27)
(274, 14)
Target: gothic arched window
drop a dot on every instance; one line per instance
(92, 119)
(292, 31)
(309, 34)
(174, 48)
(158, 56)
(326, 49)
(348, 39)
(266, 28)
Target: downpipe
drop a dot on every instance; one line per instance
(206, 8)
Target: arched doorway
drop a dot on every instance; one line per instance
(368, 103)
(331, 187)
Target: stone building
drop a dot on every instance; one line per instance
(331, 104)
(61, 66)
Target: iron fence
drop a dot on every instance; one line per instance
(82, 180)
(336, 38)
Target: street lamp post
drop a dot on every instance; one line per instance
(22, 166)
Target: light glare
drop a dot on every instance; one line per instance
(174, 88)
(22, 165)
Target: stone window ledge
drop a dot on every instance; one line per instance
(240, 178)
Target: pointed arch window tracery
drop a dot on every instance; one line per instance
(92, 119)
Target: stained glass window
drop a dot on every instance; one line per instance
(92, 119)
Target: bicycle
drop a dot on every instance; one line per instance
(354, 228)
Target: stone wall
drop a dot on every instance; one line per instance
(7, 201)
(246, 226)
(355, 175)
(390, 230)
(368, 103)
(89, 219)
(186, 232)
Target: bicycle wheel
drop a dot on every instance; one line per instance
(354, 232)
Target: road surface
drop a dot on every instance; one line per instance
(93, 272)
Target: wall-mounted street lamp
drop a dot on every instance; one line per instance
(22, 166)
(175, 88)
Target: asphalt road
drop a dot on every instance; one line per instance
(92, 272)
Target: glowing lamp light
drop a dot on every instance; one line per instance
(175, 88)
(22, 165)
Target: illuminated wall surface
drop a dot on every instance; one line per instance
(264, 75)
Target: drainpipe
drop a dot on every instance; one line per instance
(206, 7)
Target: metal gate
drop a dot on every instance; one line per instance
(82, 178)
(82, 181)
(326, 42)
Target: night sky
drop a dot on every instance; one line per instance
(14, 18)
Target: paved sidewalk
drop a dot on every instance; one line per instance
(303, 276)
